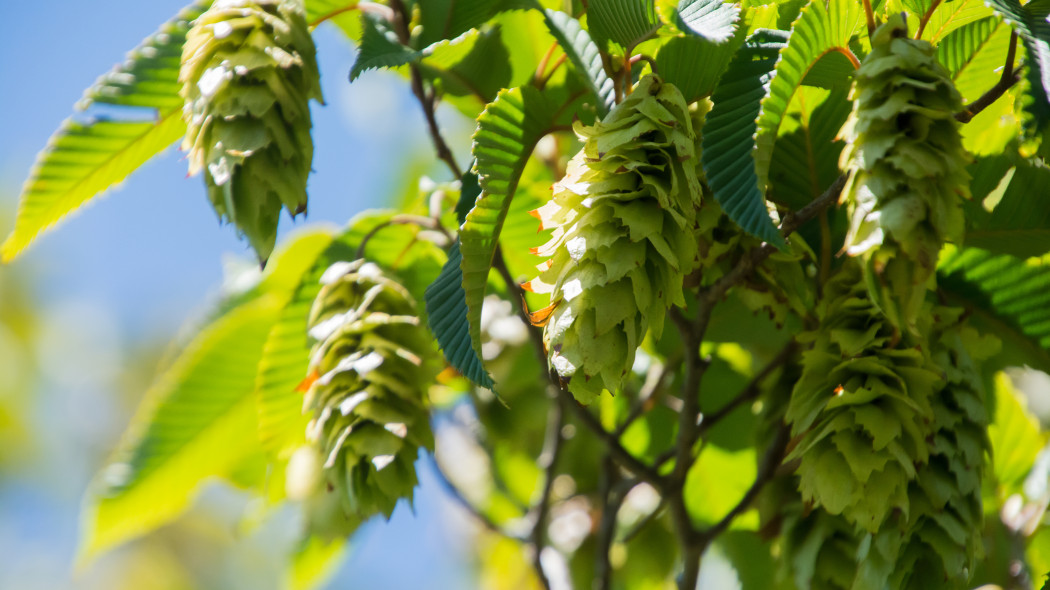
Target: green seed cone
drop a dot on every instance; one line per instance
(624, 221)
(891, 444)
(248, 71)
(861, 409)
(907, 170)
(368, 390)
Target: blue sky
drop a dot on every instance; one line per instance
(144, 258)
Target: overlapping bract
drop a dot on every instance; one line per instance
(862, 408)
(367, 392)
(248, 72)
(907, 170)
(892, 442)
(624, 221)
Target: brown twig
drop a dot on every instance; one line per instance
(869, 14)
(611, 501)
(770, 461)
(548, 461)
(1009, 77)
(427, 100)
(750, 391)
(459, 498)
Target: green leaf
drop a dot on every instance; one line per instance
(447, 312)
(818, 31)
(1014, 434)
(717, 482)
(507, 133)
(694, 64)
(1034, 31)
(805, 160)
(477, 67)
(1006, 296)
(951, 15)
(1018, 225)
(447, 19)
(285, 355)
(712, 20)
(197, 421)
(728, 133)
(83, 159)
(380, 47)
(624, 22)
(584, 55)
(973, 54)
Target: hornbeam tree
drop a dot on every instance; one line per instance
(731, 281)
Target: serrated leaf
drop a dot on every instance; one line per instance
(1006, 296)
(973, 55)
(584, 55)
(83, 159)
(507, 133)
(949, 16)
(624, 22)
(380, 47)
(694, 64)
(447, 314)
(447, 19)
(818, 31)
(477, 67)
(805, 160)
(728, 133)
(712, 20)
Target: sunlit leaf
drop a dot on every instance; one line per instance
(84, 158)
(819, 31)
(1014, 434)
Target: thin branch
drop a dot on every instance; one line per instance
(611, 502)
(750, 391)
(584, 416)
(1010, 77)
(770, 461)
(426, 222)
(548, 461)
(869, 14)
(426, 100)
(457, 495)
(644, 522)
(791, 222)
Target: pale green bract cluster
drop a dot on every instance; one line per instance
(891, 446)
(907, 170)
(366, 396)
(249, 69)
(624, 237)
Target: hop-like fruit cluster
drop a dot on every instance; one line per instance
(248, 72)
(907, 169)
(861, 409)
(891, 444)
(367, 389)
(624, 221)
